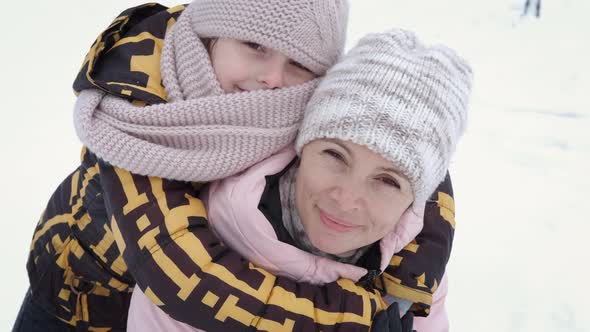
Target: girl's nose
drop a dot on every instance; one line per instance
(272, 75)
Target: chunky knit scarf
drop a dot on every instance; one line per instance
(294, 226)
(201, 134)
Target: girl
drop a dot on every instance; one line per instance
(155, 111)
(375, 143)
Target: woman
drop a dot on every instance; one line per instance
(375, 143)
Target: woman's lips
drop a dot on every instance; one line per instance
(336, 224)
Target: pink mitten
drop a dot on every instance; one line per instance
(323, 270)
(409, 225)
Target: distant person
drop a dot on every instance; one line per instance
(532, 6)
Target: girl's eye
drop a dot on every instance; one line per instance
(254, 46)
(300, 66)
(390, 182)
(334, 154)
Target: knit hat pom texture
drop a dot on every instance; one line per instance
(402, 99)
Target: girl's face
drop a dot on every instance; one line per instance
(347, 196)
(245, 66)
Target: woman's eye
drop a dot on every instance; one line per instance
(334, 154)
(390, 182)
(254, 46)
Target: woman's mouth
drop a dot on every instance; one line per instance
(336, 224)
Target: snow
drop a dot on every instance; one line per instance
(520, 260)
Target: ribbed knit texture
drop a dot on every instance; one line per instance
(311, 31)
(200, 134)
(402, 99)
(187, 72)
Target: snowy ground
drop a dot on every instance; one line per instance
(520, 260)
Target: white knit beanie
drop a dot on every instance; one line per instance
(312, 32)
(402, 99)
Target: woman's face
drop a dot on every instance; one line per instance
(347, 196)
(245, 66)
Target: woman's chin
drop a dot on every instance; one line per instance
(333, 248)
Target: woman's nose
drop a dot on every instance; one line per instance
(272, 74)
(347, 196)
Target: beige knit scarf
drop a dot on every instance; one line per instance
(201, 134)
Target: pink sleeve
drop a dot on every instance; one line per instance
(145, 316)
(437, 320)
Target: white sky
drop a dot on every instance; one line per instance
(520, 174)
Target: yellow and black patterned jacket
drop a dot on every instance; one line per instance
(105, 230)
